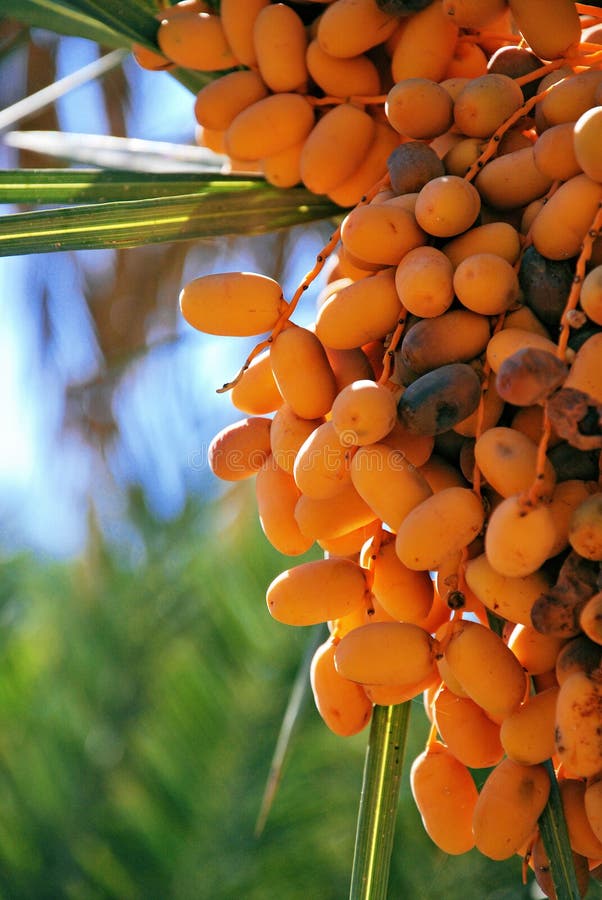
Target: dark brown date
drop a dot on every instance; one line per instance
(437, 401)
(545, 284)
(411, 165)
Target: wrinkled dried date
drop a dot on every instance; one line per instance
(576, 417)
(557, 611)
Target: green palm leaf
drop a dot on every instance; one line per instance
(131, 18)
(62, 19)
(121, 23)
(219, 206)
(103, 185)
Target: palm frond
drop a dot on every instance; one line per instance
(61, 18)
(222, 208)
(43, 186)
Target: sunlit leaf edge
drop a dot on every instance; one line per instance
(73, 186)
(256, 209)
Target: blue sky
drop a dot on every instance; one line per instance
(47, 476)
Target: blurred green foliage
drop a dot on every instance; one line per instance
(139, 707)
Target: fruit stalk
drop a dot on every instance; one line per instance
(378, 802)
(555, 838)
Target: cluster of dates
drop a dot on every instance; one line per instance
(437, 431)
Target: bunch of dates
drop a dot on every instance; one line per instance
(437, 431)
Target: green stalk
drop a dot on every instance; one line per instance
(378, 802)
(555, 839)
